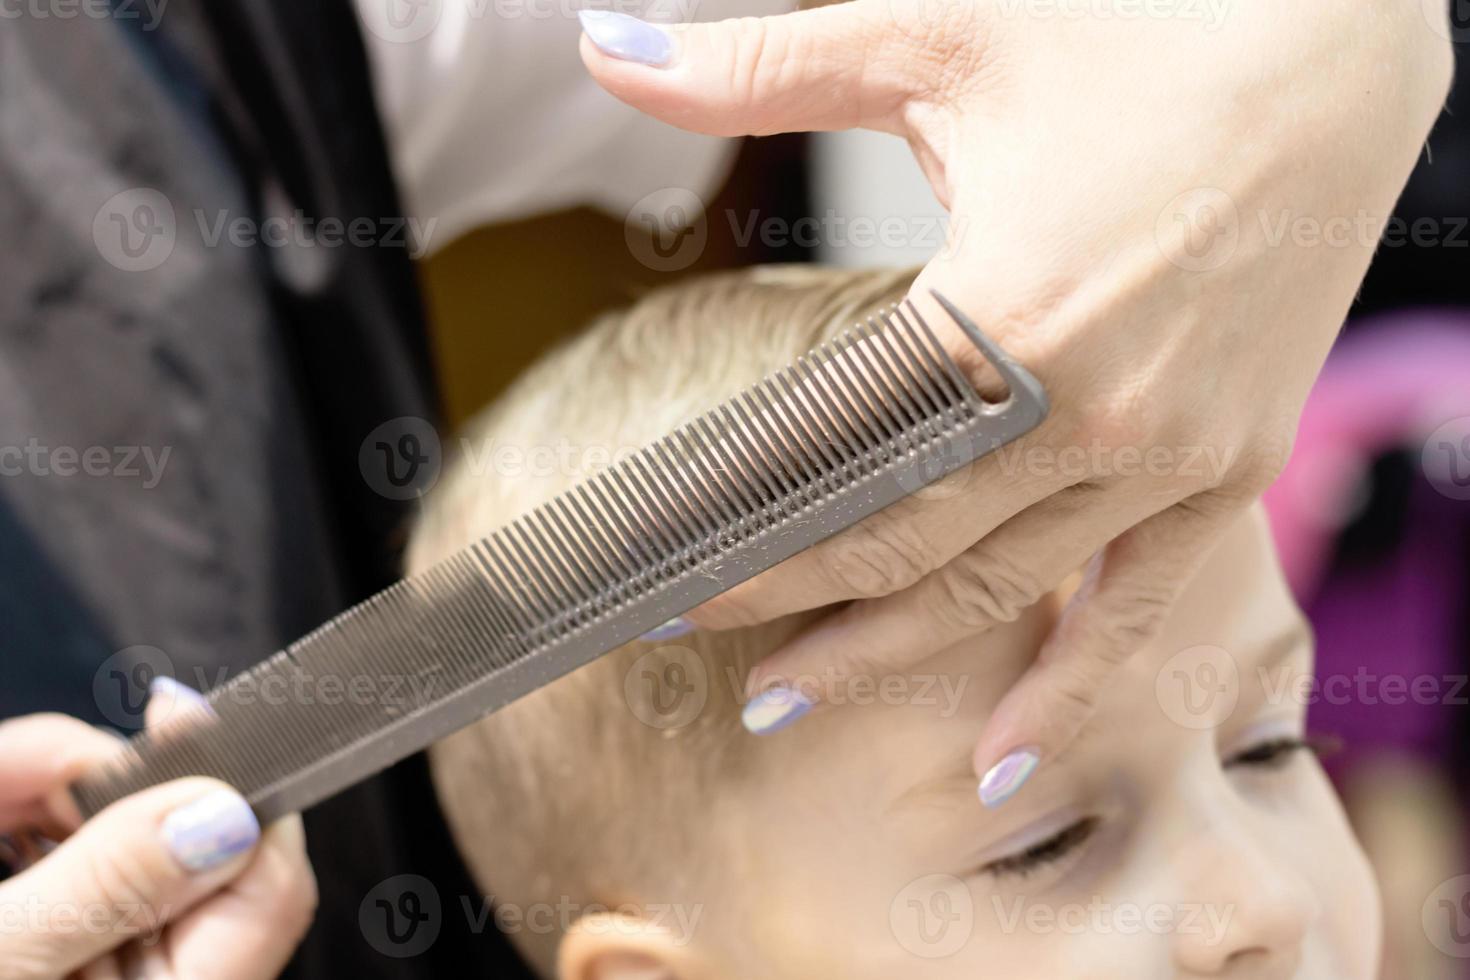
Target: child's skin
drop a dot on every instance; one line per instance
(1217, 849)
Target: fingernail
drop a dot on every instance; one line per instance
(774, 709)
(209, 831)
(1007, 776)
(182, 695)
(676, 627)
(626, 37)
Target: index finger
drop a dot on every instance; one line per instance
(39, 756)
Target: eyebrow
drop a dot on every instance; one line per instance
(958, 782)
(1277, 653)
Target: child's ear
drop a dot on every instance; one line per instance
(617, 946)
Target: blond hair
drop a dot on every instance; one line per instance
(582, 794)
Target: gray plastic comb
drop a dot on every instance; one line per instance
(847, 430)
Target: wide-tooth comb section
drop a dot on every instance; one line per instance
(846, 430)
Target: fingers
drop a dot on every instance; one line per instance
(834, 67)
(1130, 589)
(39, 756)
(251, 927)
(896, 548)
(172, 703)
(992, 582)
(141, 862)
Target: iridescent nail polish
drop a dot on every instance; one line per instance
(212, 829)
(775, 709)
(673, 629)
(627, 38)
(1007, 776)
(181, 696)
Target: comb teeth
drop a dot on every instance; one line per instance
(812, 449)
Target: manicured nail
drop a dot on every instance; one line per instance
(1007, 776)
(626, 37)
(676, 627)
(209, 831)
(774, 709)
(181, 695)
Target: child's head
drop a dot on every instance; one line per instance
(630, 827)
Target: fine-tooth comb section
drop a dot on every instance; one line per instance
(849, 428)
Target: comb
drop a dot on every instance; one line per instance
(851, 427)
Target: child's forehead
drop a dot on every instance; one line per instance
(922, 725)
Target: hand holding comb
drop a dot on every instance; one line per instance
(855, 425)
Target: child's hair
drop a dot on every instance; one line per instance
(584, 793)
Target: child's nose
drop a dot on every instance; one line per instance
(1251, 909)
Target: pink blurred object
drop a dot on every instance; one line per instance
(1390, 382)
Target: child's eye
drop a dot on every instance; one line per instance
(1042, 853)
(1271, 754)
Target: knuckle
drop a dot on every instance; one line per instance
(865, 666)
(981, 588)
(1267, 462)
(1121, 425)
(1133, 619)
(884, 555)
(759, 59)
(1075, 691)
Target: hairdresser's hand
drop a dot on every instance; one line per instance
(1133, 202)
(177, 881)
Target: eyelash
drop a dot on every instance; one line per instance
(1272, 754)
(1042, 853)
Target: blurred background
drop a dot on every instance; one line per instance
(1372, 514)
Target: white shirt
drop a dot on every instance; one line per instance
(490, 114)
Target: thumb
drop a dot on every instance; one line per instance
(836, 67)
(138, 864)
